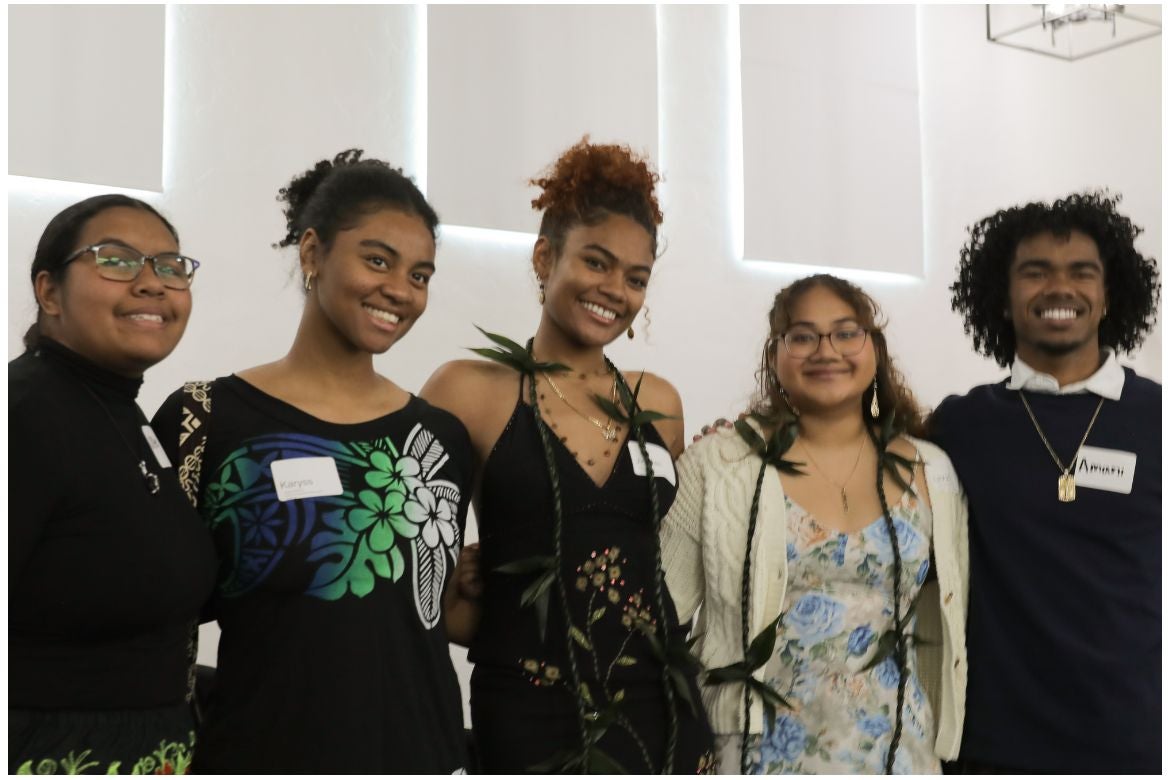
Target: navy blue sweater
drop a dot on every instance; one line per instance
(1064, 632)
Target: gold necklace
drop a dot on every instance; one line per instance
(1066, 486)
(840, 487)
(608, 430)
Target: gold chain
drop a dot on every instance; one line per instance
(608, 431)
(841, 487)
(1066, 485)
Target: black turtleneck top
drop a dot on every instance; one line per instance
(104, 577)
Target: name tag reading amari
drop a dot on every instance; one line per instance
(1104, 469)
(660, 460)
(305, 478)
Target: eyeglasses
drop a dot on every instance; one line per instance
(120, 263)
(804, 342)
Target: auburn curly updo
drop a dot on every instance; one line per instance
(588, 183)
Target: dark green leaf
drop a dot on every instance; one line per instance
(760, 650)
(725, 674)
(601, 763)
(610, 408)
(527, 565)
(504, 342)
(586, 696)
(682, 687)
(625, 660)
(885, 648)
(768, 695)
(750, 437)
(539, 586)
(649, 416)
(564, 762)
(597, 613)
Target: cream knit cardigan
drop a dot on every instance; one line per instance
(703, 539)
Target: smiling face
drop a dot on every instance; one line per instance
(824, 380)
(1056, 295)
(370, 286)
(125, 327)
(596, 287)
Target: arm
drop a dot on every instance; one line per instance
(34, 457)
(461, 607)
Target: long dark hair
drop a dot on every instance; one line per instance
(59, 240)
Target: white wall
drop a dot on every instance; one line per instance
(256, 94)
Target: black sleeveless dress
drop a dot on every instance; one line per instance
(522, 707)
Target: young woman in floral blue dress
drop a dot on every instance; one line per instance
(807, 535)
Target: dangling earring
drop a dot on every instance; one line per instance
(309, 281)
(540, 297)
(630, 333)
(874, 410)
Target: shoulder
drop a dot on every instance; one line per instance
(940, 472)
(462, 380)
(959, 411)
(655, 393)
(719, 450)
(439, 421)
(28, 379)
(1140, 389)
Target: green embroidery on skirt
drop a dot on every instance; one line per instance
(171, 758)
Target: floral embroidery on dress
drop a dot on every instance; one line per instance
(170, 758)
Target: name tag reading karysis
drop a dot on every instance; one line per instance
(305, 478)
(1104, 469)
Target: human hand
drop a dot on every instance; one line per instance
(469, 582)
(707, 430)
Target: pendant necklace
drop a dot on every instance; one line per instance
(608, 429)
(841, 486)
(1066, 486)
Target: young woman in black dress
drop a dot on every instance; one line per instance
(576, 622)
(336, 499)
(108, 565)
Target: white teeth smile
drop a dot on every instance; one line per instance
(145, 317)
(1058, 314)
(600, 312)
(384, 316)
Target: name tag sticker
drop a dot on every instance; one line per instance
(1105, 469)
(660, 460)
(156, 447)
(305, 478)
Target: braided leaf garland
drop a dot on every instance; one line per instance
(675, 656)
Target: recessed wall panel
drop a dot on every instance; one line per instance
(831, 142)
(510, 87)
(85, 93)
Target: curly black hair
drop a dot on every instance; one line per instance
(980, 293)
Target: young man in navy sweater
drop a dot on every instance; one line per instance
(1061, 463)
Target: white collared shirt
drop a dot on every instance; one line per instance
(1106, 382)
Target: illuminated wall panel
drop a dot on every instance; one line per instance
(509, 87)
(831, 142)
(94, 110)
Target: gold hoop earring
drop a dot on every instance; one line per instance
(309, 282)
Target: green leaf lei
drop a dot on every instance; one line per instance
(675, 656)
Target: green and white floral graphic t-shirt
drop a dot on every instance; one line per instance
(335, 543)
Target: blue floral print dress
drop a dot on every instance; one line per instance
(838, 603)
